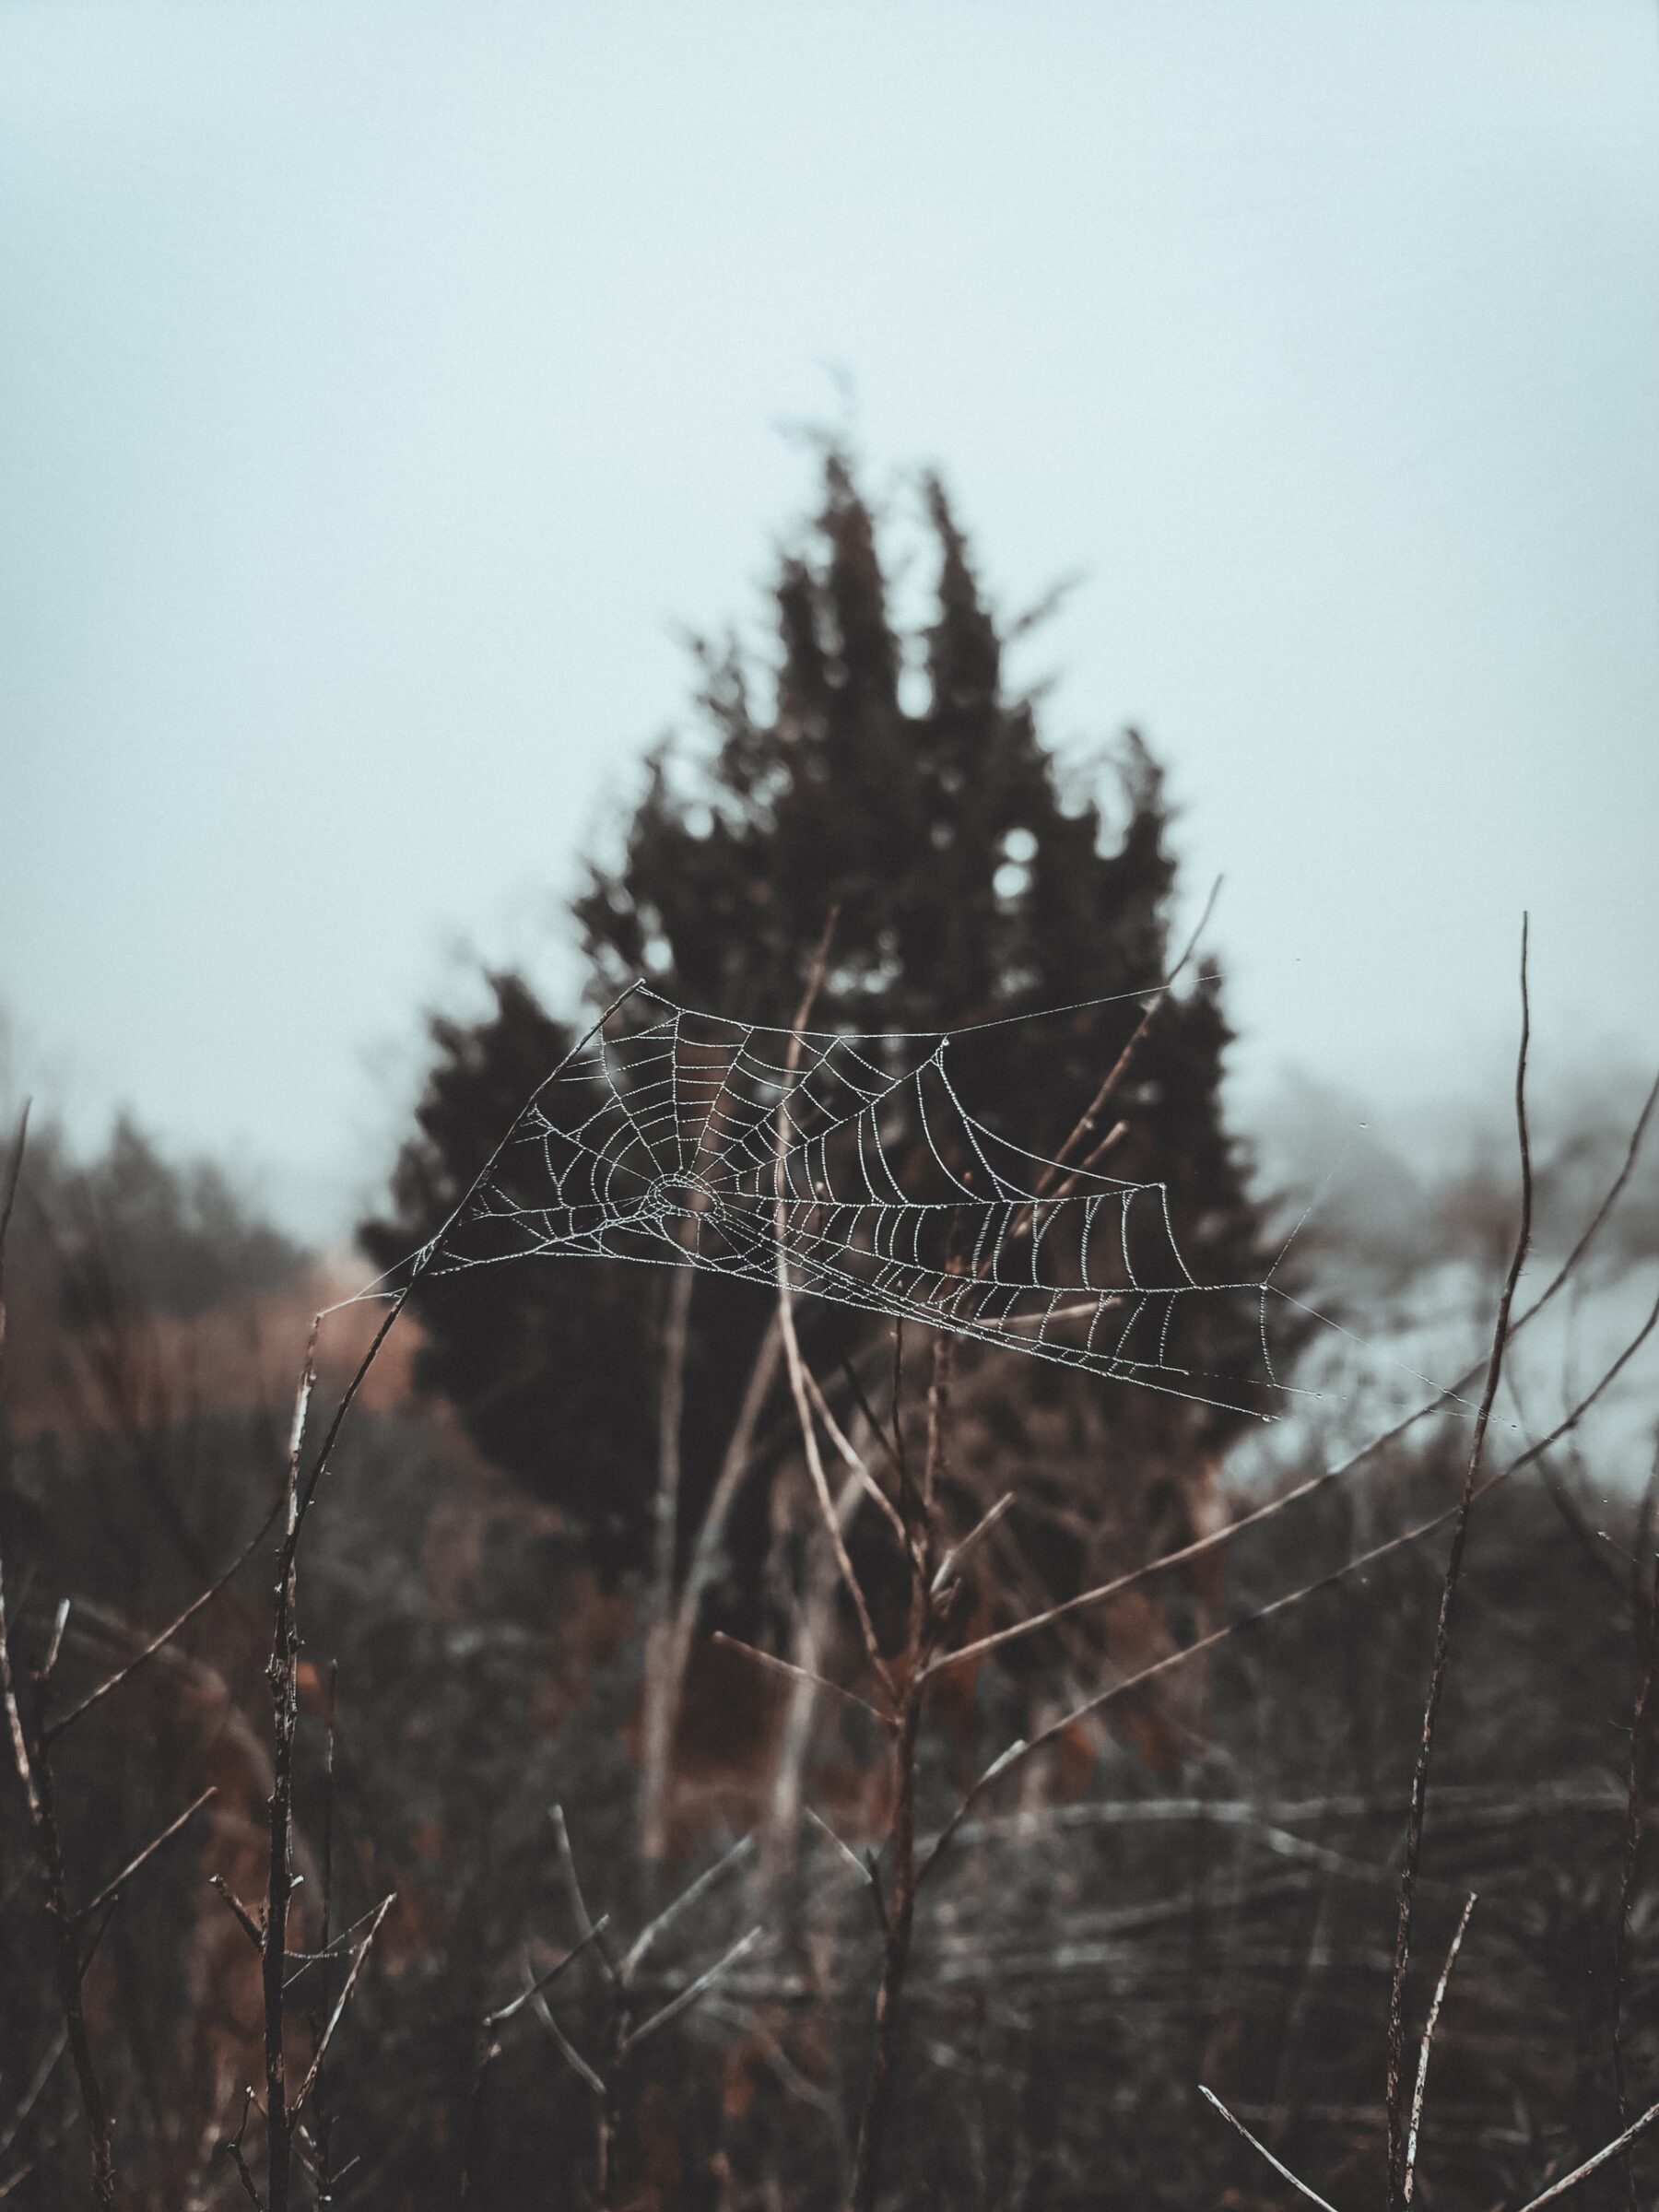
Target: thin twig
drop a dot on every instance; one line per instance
(43, 2074)
(705, 1563)
(803, 1673)
(245, 1919)
(864, 1869)
(1442, 1630)
(1183, 1555)
(1090, 1120)
(55, 1729)
(1312, 2195)
(689, 1994)
(1635, 1825)
(851, 1458)
(897, 1906)
(688, 1897)
(344, 1999)
(1619, 2144)
(1016, 1753)
(55, 1642)
(1415, 2131)
(951, 1564)
(659, 1699)
(304, 1960)
(792, 1350)
(112, 1888)
(283, 1674)
(592, 1929)
(34, 1772)
(324, 2122)
(537, 1984)
(232, 2145)
(489, 2048)
(561, 2042)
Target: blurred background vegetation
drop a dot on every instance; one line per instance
(1198, 1887)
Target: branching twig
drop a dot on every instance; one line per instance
(1084, 1131)
(803, 1673)
(33, 1761)
(1619, 2144)
(232, 2145)
(633, 1958)
(1442, 1630)
(283, 1673)
(1415, 2130)
(310, 2083)
(489, 2048)
(1635, 1824)
(55, 1727)
(113, 1888)
(897, 1907)
(792, 1350)
(688, 1996)
(1312, 2195)
(864, 1869)
(1217, 1540)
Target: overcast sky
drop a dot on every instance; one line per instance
(383, 387)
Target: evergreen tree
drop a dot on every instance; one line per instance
(965, 888)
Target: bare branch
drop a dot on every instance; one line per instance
(112, 1888)
(1442, 1630)
(1582, 2173)
(344, 1999)
(659, 1697)
(43, 2074)
(1218, 1538)
(689, 1994)
(516, 2005)
(561, 2042)
(67, 1720)
(1312, 2195)
(1017, 1752)
(950, 1565)
(14, 1175)
(232, 2145)
(802, 1673)
(688, 1897)
(1415, 2130)
(591, 1928)
(1091, 1121)
(283, 1673)
(851, 1458)
(56, 1645)
(303, 1961)
(803, 1414)
(1635, 1826)
(864, 1869)
(792, 1350)
(34, 1772)
(250, 1926)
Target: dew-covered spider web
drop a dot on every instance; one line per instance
(852, 1168)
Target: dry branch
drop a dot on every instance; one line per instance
(1415, 2129)
(1301, 2186)
(1398, 2191)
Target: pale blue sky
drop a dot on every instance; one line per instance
(381, 385)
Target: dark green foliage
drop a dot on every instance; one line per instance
(550, 1366)
(898, 782)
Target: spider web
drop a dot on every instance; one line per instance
(849, 1167)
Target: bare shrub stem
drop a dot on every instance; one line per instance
(1395, 2100)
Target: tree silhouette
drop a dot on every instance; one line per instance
(897, 780)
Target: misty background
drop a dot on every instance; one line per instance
(384, 389)
(864, 513)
